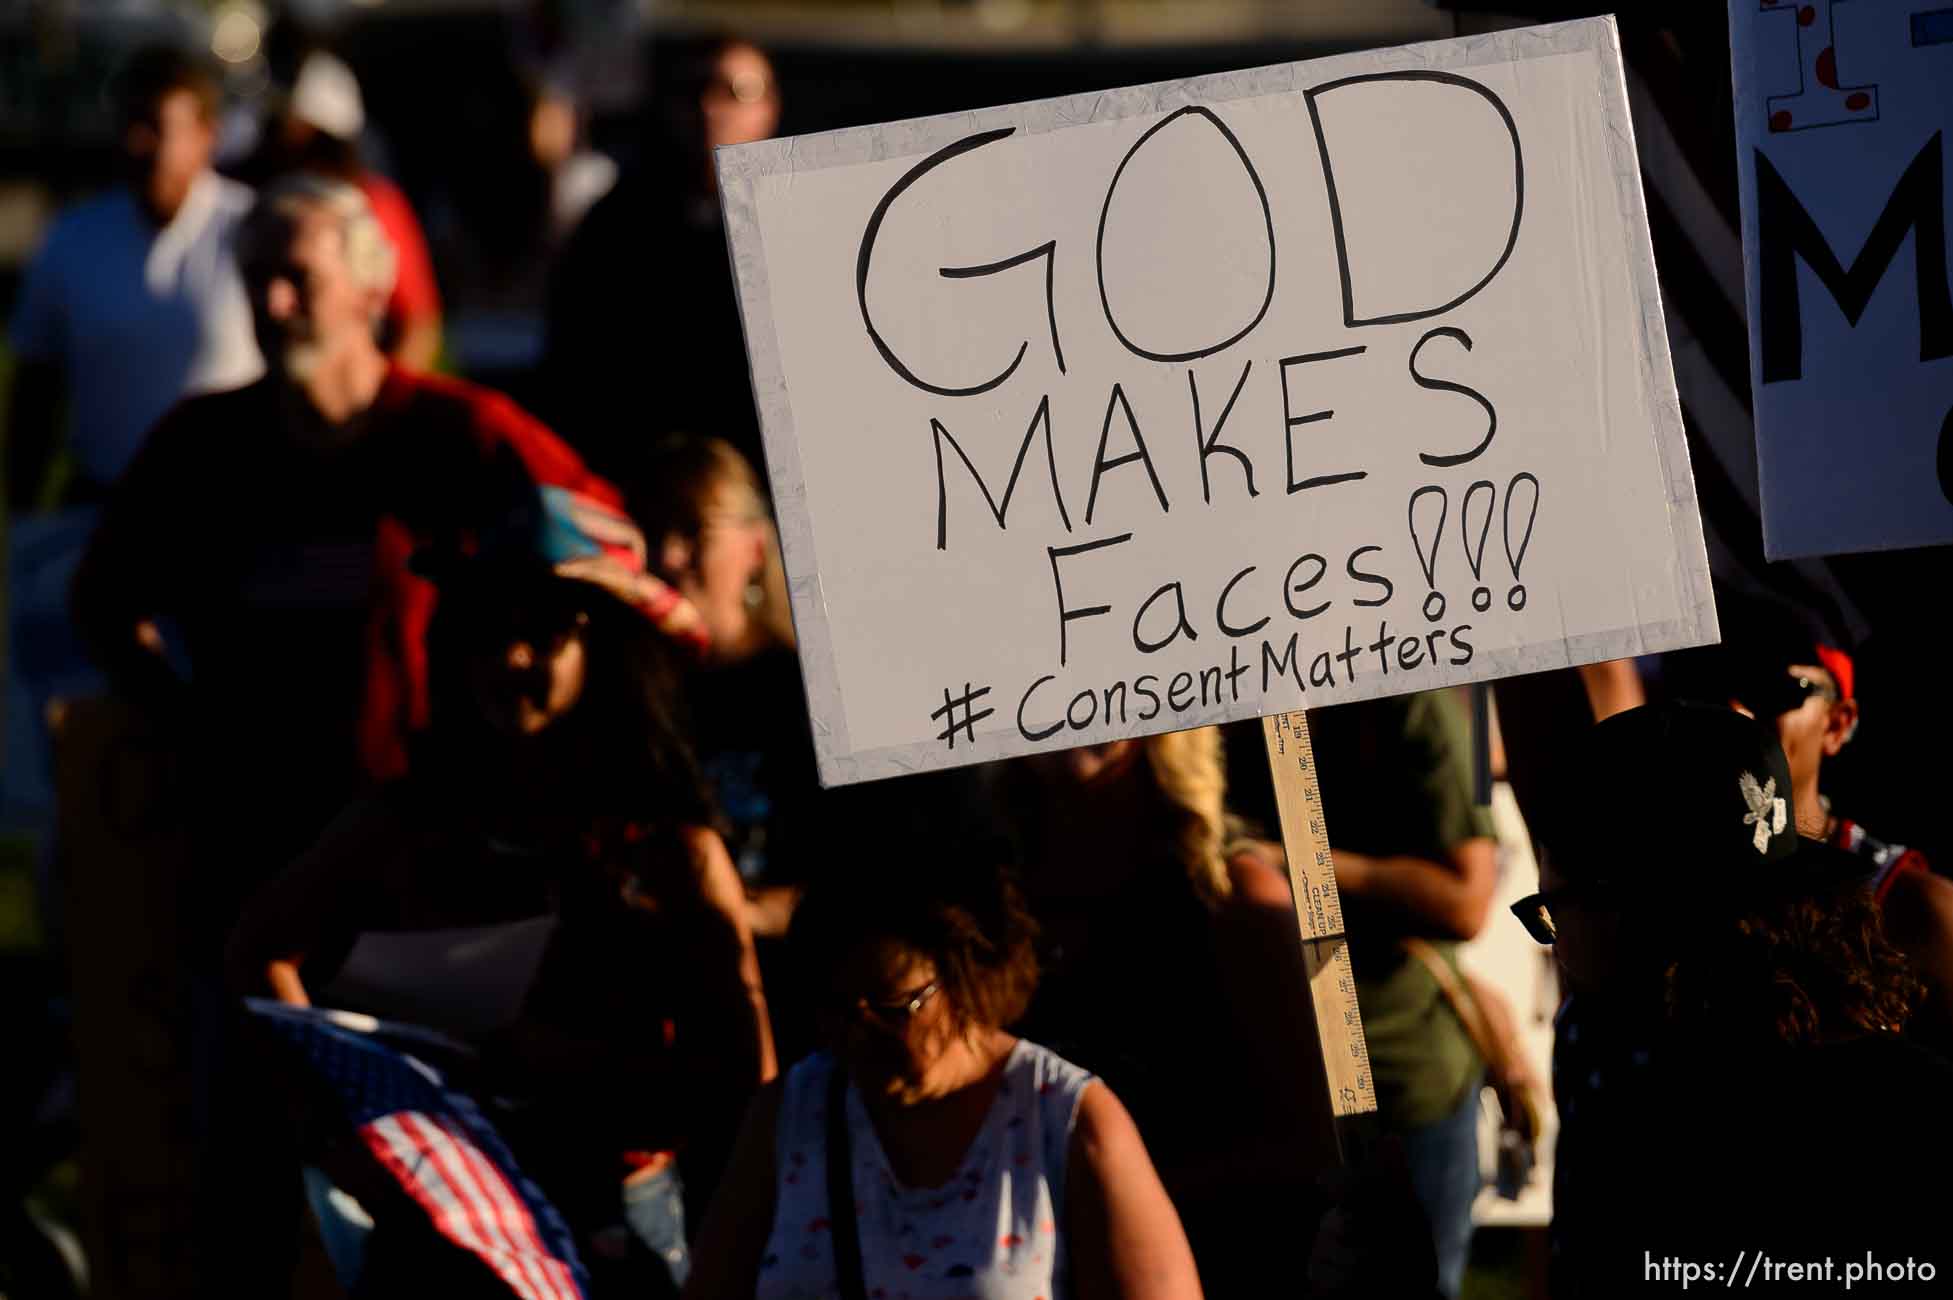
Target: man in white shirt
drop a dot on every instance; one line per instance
(135, 299)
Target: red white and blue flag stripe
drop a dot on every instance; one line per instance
(436, 1144)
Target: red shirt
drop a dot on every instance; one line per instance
(415, 295)
(278, 546)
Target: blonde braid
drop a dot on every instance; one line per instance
(1188, 769)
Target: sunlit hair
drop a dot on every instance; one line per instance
(264, 238)
(693, 479)
(1799, 970)
(1187, 817)
(967, 917)
(1191, 776)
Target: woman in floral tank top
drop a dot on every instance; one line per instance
(968, 1164)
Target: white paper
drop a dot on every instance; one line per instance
(1841, 111)
(1492, 221)
(466, 981)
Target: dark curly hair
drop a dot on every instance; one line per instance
(1799, 969)
(967, 918)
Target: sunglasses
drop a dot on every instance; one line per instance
(548, 631)
(1535, 912)
(749, 89)
(894, 1016)
(1771, 696)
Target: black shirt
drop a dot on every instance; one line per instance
(1700, 1150)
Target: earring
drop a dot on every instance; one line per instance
(754, 595)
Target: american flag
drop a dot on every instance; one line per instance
(440, 1149)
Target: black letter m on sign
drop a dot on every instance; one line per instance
(1785, 233)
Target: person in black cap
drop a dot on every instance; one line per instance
(1776, 667)
(1729, 1067)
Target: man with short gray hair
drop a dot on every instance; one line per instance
(277, 246)
(272, 524)
(263, 536)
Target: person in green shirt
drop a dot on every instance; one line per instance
(1415, 859)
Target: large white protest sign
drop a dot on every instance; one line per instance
(1124, 413)
(1841, 116)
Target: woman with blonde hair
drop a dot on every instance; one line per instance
(712, 536)
(1173, 971)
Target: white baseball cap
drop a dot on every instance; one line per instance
(326, 95)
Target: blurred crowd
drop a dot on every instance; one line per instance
(445, 634)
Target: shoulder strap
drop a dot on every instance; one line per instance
(1460, 999)
(842, 1229)
(1500, 1056)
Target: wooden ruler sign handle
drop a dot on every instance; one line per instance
(1319, 915)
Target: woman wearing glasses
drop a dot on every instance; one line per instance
(931, 1153)
(656, 237)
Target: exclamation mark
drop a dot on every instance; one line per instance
(1515, 556)
(1427, 556)
(1475, 556)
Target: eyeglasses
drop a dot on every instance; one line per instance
(544, 637)
(1804, 686)
(1817, 685)
(895, 1016)
(726, 521)
(1771, 696)
(1535, 912)
(749, 88)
